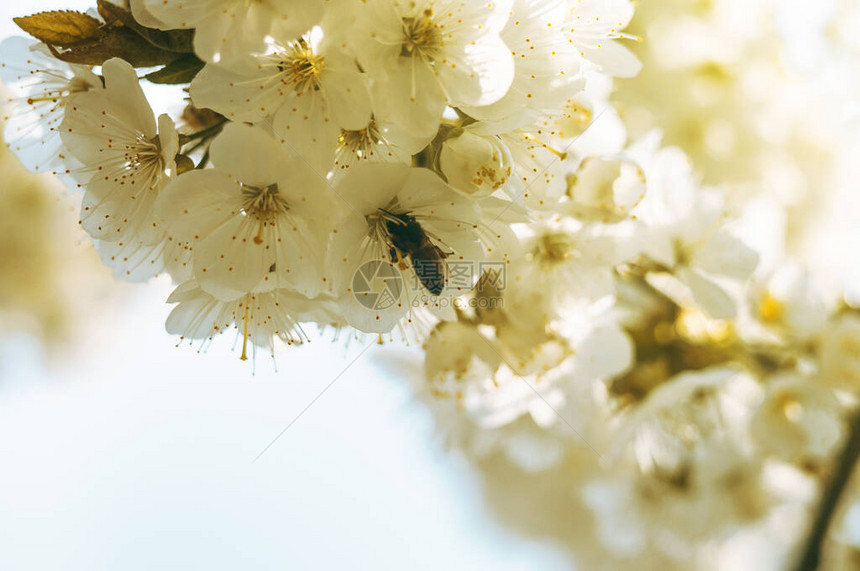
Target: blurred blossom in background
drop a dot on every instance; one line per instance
(121, 451)
(763, 97)
(47, 275)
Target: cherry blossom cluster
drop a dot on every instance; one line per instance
(454, 172)
(318, 137)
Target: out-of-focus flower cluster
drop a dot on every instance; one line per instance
(762, 95)
(42, 271)
(632, 349)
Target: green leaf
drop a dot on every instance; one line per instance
(179, 41)
(181, 70)
(62, 27)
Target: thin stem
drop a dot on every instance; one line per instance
(195, 146)
(811, 557)
(204, 161)
(204, 134)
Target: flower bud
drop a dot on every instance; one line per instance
(183, 164)
(475, 165)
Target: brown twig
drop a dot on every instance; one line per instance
(812, 550)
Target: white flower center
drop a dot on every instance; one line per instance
(360, 143)
(301, 67)
(140, 161)
(553, 248)
(143, 153)
(421, 36)
(265, 204)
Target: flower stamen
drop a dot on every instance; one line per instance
(301, 67)
(360, 142)
(421, 36)
(263, 203)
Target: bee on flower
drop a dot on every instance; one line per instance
(411, 220)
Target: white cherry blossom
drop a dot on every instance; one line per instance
(798, 421)
(41, 89)
(788, 303)
(490, 406)
(115, 135)
(685, 230)
(314, 94)
(225, 30)
(593, 25)
(475, 165)
(605, 189)
(260, 319)
(134, 261)
(257, 220)
(395, 211)
(566, 260)
(433, 53)
(840, 352)
(382, 139)
(546, 68)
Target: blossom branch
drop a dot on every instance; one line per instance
(812, 550)
(204, 134)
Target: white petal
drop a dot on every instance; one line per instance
(369, 187)
(199, 317)
(482, 76)
(238, 95)
(126, 98)
(248, 154)
(606, 352)
(613, 59)
(228, 263)
(168, 138)
(297, 17)
(298, 261)
(307, 130)
(114, 209)
(134, 261)
(726, 255)
(144, 17)
(197, 202)
(182, 14)
(349, 98)
(412, 96)
(709, 296)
